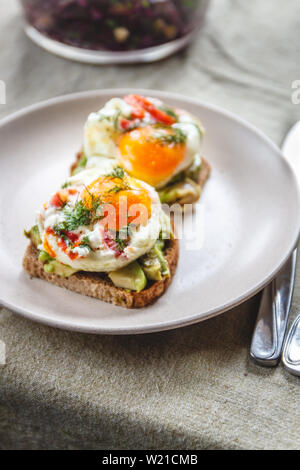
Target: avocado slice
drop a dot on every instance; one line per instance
(34, 235)
(154, 263)
(130, 277)
(44, 256)
(55, 267)
(163, 262)
(184, 192)
(151, 267)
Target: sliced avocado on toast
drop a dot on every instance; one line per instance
(130, 277)
(152, 266)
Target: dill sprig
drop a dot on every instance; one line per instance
(85, 243)
(122, 236)
(79, 215)
(176, 137)
(117, 172)
(117, 189)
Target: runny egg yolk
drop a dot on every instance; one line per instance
(151, 154)
(122, 201)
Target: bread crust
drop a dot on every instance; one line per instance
(99, 286)
(204, 172)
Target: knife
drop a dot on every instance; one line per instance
(274, 309)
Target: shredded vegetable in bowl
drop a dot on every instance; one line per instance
(114, 25)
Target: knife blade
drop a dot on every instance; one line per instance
(274, 309)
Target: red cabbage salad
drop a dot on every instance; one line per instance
(113, 25)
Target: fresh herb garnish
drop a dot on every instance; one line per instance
(122, 236)
(80, 165)
(199, 129)
(114, 119)
(176, 137)
(85, 243)
(79, 215)
(117, 172)
(120, 243)
(126, 232)
(116, 189)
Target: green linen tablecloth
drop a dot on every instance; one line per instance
(192, 388)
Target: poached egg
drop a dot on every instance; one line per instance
(151, 141)
(100, 221)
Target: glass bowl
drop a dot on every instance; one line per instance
(113, 31)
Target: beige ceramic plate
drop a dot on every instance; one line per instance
(249, 217)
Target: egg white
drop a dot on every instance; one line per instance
(104, 259)
(100, 132)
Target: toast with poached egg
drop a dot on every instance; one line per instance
(104, 234)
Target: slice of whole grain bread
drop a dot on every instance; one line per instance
(99, 285)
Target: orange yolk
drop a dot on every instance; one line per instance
(148, 158)
(123, 201)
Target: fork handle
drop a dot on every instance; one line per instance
(291, 349)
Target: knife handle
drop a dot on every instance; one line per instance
(272, 318)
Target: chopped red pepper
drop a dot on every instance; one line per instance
(72, 255)
(161, 116)
(56, 201)
(62, 244)
(111, 243)
(157, 114)
(71, 235)
(125, 124)
(137, 111)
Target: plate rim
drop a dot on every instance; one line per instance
(171, 324)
